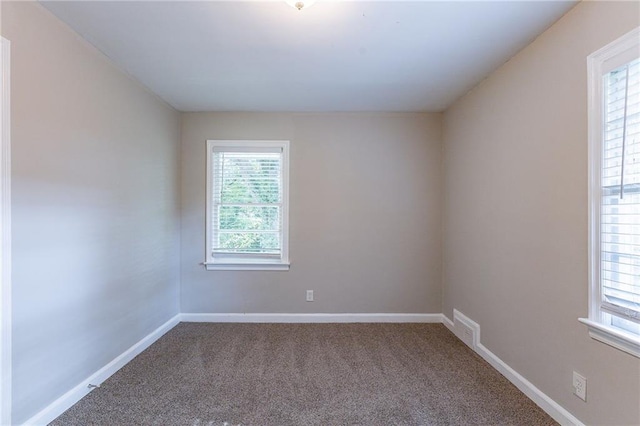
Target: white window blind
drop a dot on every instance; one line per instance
(620, 195)
(247, 201)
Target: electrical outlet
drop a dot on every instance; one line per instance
(579, 386)
(309, 295)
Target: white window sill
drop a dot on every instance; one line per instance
(618, 339)
(246, 266)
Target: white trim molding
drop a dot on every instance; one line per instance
(461, 324)
(312, 318)
(74, 395)
(618, 339)
(246, 266)
(247, 261)
(5, 233)
(599, 63)
(448, 323)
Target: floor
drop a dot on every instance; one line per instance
(203, 374)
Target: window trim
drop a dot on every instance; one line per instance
(5, 232)
(598, 64)
(248, 263)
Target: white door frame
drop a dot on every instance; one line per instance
(5, 235)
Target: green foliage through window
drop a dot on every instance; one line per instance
(247, 200)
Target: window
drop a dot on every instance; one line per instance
(614, 191)
(247, 205)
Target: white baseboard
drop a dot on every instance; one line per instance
(460, 326)
(67, 400)
(448, 323)
(312, 318)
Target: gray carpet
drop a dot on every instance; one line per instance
(306, 374)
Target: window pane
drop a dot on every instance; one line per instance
(247, 178)
(247, 194)
(249, 242)
(620, 203)
(624, 324)
(249, 218)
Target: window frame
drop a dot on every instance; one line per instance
(600, 63)
(247, 262)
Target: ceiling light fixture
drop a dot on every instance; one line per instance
(301, 4)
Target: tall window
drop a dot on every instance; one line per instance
(247, 205)
(614, 79)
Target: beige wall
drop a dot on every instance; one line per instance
(95, 161)
(95, 208)
(364, 216)
(515, 172)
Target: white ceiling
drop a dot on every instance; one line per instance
(335, 56)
